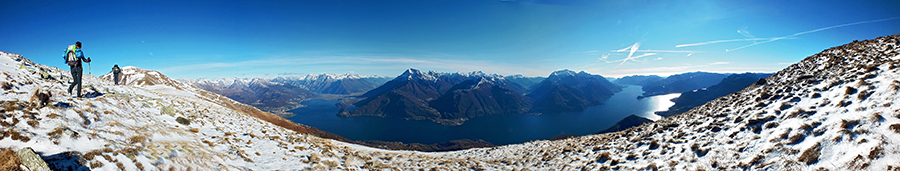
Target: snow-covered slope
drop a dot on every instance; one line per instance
(834, 110)
(152, 123)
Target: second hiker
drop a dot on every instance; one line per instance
(116, 71)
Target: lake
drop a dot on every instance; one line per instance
(499, 130)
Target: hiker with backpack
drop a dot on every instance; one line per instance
(73, 57)
(116, 71)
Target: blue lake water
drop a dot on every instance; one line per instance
(499, 130)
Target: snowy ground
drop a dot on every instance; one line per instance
(834, 110)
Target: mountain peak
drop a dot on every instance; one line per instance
(564, 72)
(411, 74)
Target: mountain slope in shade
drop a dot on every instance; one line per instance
(473, 98)
(445, 98)
(682, 82)
(730, 84)
(567, 91)
(627, 122)
(525, 82)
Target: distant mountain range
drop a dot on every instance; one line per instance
(641, 80)
(525, 81)
(268, 96)
(342, 84)
(446, 98)
(452, 98)
(677, 83)
(728, 85)
(281, 94)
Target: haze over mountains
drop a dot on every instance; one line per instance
(281, 94)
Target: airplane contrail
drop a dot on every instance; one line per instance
(766, 40)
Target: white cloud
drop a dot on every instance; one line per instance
(719, 63)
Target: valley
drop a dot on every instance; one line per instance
(427, 107)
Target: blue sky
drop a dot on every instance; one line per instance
(210, 39)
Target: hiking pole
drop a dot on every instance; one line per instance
(89, 68)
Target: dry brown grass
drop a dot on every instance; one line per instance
(811, 155)
(269, 117)
(896, 128)
(138, 139)
(10, 160)
(7, 85)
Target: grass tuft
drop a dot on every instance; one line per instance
(6, 85)
(811, 155)
(11, 161)
(137, 139)
(850, 90)
(876, 153)
(896, 128)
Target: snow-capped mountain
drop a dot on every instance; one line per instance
(835, 110)
(281, 94)
(258, 92)
(343, 84)
(439, 97)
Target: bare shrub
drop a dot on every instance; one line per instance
(11, 161)
(844, 103)
(896, 128)
(850, 90)
(876, 153)
(849, 124)
(864, 95)
(6, 85)
(796, 138)
(90, 154)
(138, 139)
(811, 155)
(603, 157)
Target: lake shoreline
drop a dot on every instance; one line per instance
(495, 129)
